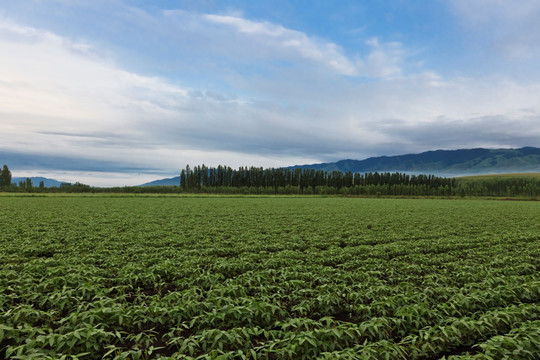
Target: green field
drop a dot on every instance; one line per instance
(268, 278)
(495, 177)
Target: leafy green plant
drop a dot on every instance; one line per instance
(173, 277)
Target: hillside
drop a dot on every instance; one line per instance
(444, 162)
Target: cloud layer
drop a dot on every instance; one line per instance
(245, 92)
(502, 28)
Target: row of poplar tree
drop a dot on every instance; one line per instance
(202, 177)
(256, 180)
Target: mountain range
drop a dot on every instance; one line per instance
(164, 182)
(36, 180)
(448, 163)
(444, 162)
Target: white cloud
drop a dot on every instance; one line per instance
(383, 59)
(511, 28)
(59, 102)
(51, 78)
(46, 85)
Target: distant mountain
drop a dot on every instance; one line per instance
(438, 162)
(164, 182)
(36, 180)
(444, 162)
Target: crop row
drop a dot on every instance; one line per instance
(268, 278)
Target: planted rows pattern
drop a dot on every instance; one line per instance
(268, 278)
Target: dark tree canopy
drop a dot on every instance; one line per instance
(5, 177)
(256, 180)
(202, 177)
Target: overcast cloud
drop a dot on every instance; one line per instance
(222, 88)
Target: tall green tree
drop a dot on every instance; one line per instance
(183, 179)
(29, 185)
(5, 176)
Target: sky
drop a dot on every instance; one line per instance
(120, 92)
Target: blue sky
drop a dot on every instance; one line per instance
(120, 92)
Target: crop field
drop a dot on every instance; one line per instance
(524, 176)
(268, 278)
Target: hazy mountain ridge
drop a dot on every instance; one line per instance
(455, 162)
(164, 182)
(37, 179)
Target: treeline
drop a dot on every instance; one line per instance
(499, 187)
(285, 181)
(256, 180)
(309, 181)
(28, 186)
